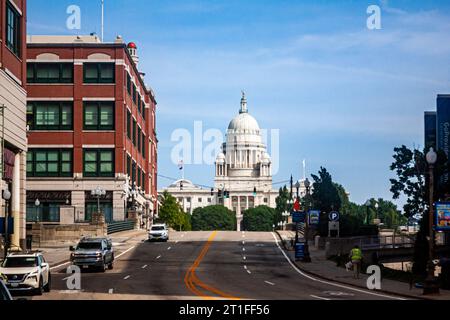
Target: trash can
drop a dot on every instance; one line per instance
(29, 242)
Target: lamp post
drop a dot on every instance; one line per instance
(307, 257)
(98, 193)
(37, 204)
(431, 285)
(6, 196)
(368, 205)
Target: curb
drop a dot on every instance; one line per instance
(345, 283)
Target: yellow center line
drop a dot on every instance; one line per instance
(192, 281)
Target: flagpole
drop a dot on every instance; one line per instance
(103, 18)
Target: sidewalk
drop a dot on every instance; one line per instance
(60, 253)
(326, 269)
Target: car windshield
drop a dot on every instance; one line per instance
(20, 262)
(158, 228)
(89, 246)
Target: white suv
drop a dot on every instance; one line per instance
(26, 272)
(158, 232)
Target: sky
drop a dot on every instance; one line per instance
(342, 96)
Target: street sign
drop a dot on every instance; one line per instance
(333, 229)
(334, 216)
(298, 217)
(299, 251)
(10, 225)
(314, 217)
(442, 216)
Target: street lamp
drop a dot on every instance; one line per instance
(431, 286)
(307, 257)
(368, 205)
(6, 196)
(98, 193)
(37, 204)
(297, 186)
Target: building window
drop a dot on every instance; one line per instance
(133, 173)
(134, 95)
(143, 111)
(134, 132)
(50, 115)
(129, 84)
(139, 177)
(99, 116)
(128, 124)
(200, 200)
(139, 136)
(50, 73)
(209, 200)
(266, 200)
(47, 212)
(143, 184)
(49, 163)
(13, 29)
(98, 163)
(99, 73)
(139, 103)
(143, 145)
(129, 166)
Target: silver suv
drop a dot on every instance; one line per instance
(93, 252)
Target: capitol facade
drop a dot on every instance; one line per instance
(243, 172)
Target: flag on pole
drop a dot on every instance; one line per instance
(181, 165)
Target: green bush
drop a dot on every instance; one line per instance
(213, 218)
(259, 219)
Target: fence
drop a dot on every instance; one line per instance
(115, 227)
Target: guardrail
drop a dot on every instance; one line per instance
(120, 226)
(387, 242)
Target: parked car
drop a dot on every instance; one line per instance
(93, 252)
(26, 272)
(4, 292)
(158, 232)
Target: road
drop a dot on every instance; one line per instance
(204, 265)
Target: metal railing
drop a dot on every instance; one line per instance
(387, 242)
(120, 226)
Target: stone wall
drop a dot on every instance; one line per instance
(47, 235)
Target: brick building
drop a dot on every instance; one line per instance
(13, 120)
(91, 121)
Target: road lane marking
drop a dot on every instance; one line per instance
(144, 267)
(111, 291)
(245, 267)
(169, 248)
(270, 283)
(249, 272)
(320, 298)
(127, 277)
(327, 282)
(176, 242)
(243, 242)
(244, 257)
(192, 281)
(59, 266)
(158, 257)
(125, 252)
(243, 249)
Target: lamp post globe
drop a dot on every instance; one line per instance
(431, 157)
(7, 195)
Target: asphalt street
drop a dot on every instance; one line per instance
(204, 265)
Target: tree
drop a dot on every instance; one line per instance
(213, 218)
(259, 219)
(325, 198)
(172, 214)
(282, 204)
(412, 177)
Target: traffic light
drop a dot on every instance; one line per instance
(220, 193)
(181, 186)
(212, 192)
(254, 191)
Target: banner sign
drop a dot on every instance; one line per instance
(299, 251)
(442, 216)
(314, 217)
(298, 217)
(10, 225)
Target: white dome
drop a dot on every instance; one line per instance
(221, 158)
(244, 123)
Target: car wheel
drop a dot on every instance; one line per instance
(48, 286)
(104, 267)
(40, 289)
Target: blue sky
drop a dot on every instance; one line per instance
(342, 96)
